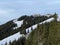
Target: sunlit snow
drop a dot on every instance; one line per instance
(19, 23)
(58, 19)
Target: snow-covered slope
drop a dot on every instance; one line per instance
(10, 38)
(58, 19)
(18, 35)
(19, 23)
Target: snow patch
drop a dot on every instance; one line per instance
(10, 38)
(58, 19)
(19, 23)
(48, 20)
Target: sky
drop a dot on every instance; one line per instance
(11, 9)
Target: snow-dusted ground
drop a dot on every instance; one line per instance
(10, 38)
(18, 35)
(19, 23)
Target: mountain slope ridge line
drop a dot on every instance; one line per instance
(34, 26)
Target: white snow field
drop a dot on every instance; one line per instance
(19, 23)
(18, 35)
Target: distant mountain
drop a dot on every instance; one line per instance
(23, 25)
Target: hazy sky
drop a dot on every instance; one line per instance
(10, 9)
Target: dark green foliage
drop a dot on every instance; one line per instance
(30, 20)
(45, 34)
(20, 41)
(22, 17)
(6, 29)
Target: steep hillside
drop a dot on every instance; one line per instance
(31, 30)
(19, 25)
(45, 34)
(28, 31)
